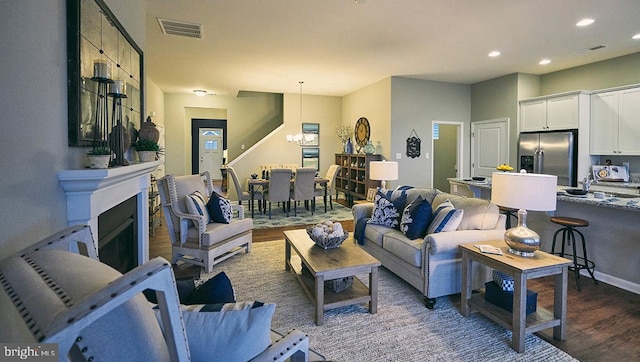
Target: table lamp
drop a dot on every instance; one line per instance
(523, 191)
(382, 171)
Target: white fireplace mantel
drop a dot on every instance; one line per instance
(90, 192)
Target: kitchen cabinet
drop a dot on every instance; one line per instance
(557, 112)
(615, 122)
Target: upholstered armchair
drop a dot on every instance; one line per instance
(194, 239)
(52, 294)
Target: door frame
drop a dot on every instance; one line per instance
(460, 146)
(196, 125)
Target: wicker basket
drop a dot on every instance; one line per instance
(327, 243)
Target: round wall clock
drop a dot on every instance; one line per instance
(362, 131)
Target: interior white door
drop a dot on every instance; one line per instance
(211, 143)
(489, 146)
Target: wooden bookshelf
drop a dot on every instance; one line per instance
(353, 177)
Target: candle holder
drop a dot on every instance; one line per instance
(118, 136)
(101, 117)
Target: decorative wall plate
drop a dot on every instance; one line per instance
(413, 145)
(362, 131)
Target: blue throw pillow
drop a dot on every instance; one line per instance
(215, 290)
(445, 218)
(387, 212)
(416, 218)
(219, 209)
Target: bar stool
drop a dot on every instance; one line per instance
(509, 212)
(568, 235)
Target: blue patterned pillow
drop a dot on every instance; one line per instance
(387, 212)
(197, 204)
(416, 218)
(445, 218)
(219, 209)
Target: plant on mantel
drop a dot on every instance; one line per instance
(100, 151)
(144, 144)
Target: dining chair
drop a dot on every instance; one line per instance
(278, 190)
(332, 172)
(303, 188)
(244, 195)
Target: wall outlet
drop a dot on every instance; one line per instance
(242, 147)
(626, 164)
(426, 155)
(398, 156)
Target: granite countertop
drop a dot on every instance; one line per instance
(610, 200)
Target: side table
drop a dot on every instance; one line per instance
(521, 269)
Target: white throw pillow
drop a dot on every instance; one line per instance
(227, 332)
(197, 205)
(445, 218)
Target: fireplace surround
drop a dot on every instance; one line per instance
(91, 192)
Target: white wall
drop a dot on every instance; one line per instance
(33, 99)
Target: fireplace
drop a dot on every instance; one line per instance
(91, 196)
(117, 236)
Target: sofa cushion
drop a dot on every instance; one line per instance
(197, 204)
(376, 233)
(408, 250)
(219, 209)
(416, 218)
(445, 218)
(228, 332)
(217, 232)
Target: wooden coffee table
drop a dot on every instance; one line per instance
(345, 261)
(521, 269)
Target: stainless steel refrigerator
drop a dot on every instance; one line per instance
(552, 153)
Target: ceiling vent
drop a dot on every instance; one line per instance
(586, 50)
(180, 28)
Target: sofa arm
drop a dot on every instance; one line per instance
(360, 211)
(446, 242)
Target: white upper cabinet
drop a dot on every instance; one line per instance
(615, 122)
(552, 113)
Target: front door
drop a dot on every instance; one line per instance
(211, 151)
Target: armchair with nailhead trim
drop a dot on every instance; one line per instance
(51, 293)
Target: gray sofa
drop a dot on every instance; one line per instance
(433, 264)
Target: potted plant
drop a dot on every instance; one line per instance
(99, 157)
(147, 149)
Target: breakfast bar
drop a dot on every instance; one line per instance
(613, 232)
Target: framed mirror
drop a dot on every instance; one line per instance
(94, 35)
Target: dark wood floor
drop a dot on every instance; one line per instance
(603, 322)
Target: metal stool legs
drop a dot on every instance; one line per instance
(579, 262)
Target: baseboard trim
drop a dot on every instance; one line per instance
(615, 281)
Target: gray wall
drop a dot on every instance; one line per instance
(33, 99)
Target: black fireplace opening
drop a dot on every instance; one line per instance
(118, 236)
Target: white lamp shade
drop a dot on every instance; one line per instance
(527, 191)
(383, 170)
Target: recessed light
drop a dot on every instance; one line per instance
(544, 62)
(637, 36)
(585, 22)
(200, 92)
(494, 54)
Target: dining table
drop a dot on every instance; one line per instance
(255, 183)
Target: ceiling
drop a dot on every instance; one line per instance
(339, 46)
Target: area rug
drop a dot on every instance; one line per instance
(304, 217)
(402, 330)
